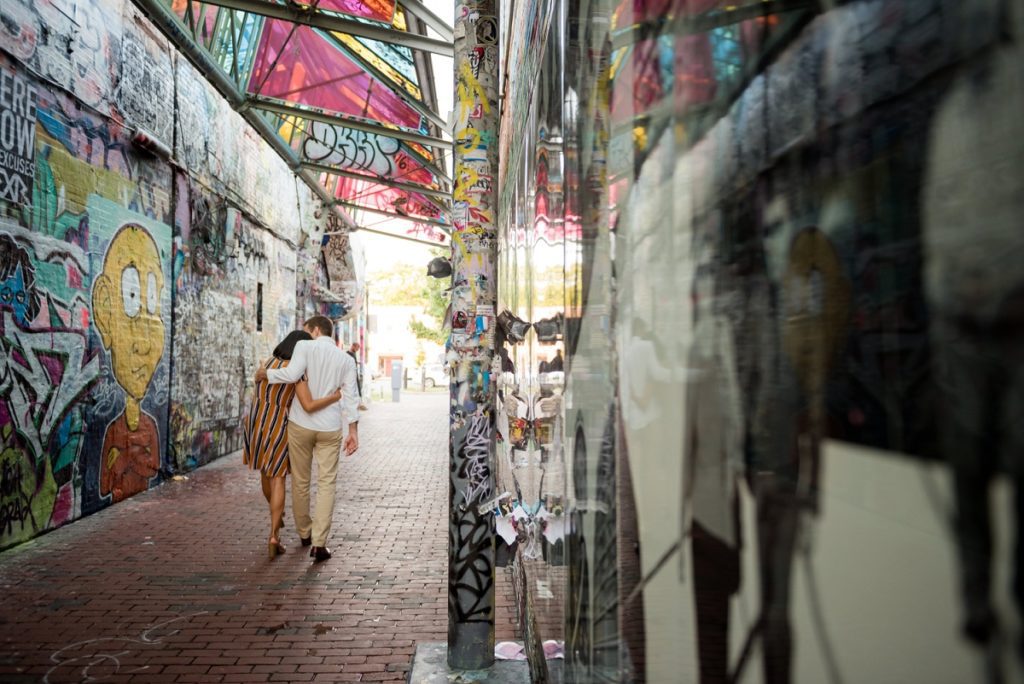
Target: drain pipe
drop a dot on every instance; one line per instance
(168, 22)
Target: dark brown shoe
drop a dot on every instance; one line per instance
(320, 553)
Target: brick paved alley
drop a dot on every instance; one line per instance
(174, 585)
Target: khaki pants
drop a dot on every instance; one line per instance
(305, 446)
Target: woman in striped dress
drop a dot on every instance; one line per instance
(266, 432)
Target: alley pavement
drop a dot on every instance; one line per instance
(174, 585)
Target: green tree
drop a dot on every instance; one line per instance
(435, 301)
(400, 285)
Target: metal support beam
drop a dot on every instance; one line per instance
(168, 22)
(347, 122)
(424, 65)
(408, 187)
(287, 110)
(429, 195)
(331, 22)
(471, 445)
(417, 8)
(445, 228)
(420, 241)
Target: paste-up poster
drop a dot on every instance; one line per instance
(18, 97)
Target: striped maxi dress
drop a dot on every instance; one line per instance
(266, 431)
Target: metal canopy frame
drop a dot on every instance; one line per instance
(430, 196)
(316, 18)
(411, 187)
(418, 9)
(278, 107)
(445, 227)
(225, 56)
(420, 108)
(364, 229)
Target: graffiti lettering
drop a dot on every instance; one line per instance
(37, 406)
(145, 86)
(351, 149)
(471, 577)
(475, 468)
(468, 89)
(15, 505)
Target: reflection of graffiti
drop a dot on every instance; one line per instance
(126, 308)
(817, 297)
(578, 611)
(972, 194)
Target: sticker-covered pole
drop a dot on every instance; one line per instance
(471, 345)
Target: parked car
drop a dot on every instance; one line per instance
(433, 375)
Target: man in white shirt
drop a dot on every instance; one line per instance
(318, 435)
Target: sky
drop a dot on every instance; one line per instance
(444, 74)
(383, 251)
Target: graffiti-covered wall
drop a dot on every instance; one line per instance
(760, 279)
(240, 225)
(136, 291)
(86, 306)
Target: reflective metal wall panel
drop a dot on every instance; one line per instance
(779, 248)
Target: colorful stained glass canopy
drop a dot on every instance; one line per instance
(347, 90)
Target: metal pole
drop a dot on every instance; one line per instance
(471, 344)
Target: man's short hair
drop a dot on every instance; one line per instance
(321, 323)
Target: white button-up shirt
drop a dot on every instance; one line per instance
(326, 369)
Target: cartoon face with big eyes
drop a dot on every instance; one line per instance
(126, 308)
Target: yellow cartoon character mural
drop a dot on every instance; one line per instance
(126, 311)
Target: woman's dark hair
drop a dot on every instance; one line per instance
(285, 349)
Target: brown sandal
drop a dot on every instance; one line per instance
(274, 548)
